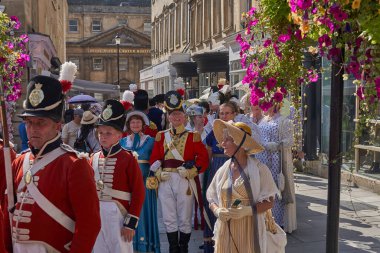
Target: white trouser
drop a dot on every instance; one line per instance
(109, 239)
(28, 248)
(177, 206)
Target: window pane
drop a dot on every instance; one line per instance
(97, 64)
(73, 25)
(123, 64)
(96, 26)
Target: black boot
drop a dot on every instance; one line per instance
(184, 242)
(173, 242)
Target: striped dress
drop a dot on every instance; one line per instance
(240, 233)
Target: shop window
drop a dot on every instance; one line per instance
(97, 64)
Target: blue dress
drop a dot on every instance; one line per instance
(217, 160)
(269, 130)
(147, 237)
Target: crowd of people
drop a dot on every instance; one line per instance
(96, 183)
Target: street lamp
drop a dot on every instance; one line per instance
(117, 41)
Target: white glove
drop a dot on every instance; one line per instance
(272, 146)
(165, 176)
(222, 214)
(240, 212)
(155, 166)
(162, 175)
(183, 172)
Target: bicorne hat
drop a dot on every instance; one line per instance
(173, 101)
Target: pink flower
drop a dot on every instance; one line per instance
(338, 13)
(360, 92)
(277, 51)
(252, 11)
(10, 45)
(313, 77)
(377, 82)
(324, 41)
(267, 43)
(24, 38)
(283, 38)
(334, 53)
(278, 96)
(254, 99)
(298, 34)
(244, 46)
(243, 61)
(239, 38)
(304, 4)
(271, 83)
(353, 68)
(283, 90)
(16, 21)
(266, 105)
(258, 92)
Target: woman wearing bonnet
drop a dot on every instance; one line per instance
(147, 234)
(241, 196)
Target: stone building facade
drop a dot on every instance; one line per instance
(91, 30)
(194, 39)
(44, 21)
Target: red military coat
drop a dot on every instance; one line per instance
(123, 174)
(67, 182)
(189, 146)
(2, 243)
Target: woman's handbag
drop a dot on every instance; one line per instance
(151, 181)
(276, 236)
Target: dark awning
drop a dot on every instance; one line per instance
(186, 69)
(88, 87)
(211, 62)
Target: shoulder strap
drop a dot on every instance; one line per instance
(48, 207)
(95, 165)
(40, 164)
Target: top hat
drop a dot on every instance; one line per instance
(112, 115)
(240, 132)
(173, 101)
(141, 100)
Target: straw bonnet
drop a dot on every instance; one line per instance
(88, 118)
(237, 131)
(138, 113)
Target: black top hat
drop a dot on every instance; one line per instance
(44, 98)
(173, 101)
(112, 115)
(141, 100)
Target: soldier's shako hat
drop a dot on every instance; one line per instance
(112, 115)
(44, 98)
(141, 100)
(173, 101)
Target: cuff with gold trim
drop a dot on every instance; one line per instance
(130, 221)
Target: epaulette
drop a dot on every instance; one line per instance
(152, 125)
(196, 136)
(69, 149)
(158, 135)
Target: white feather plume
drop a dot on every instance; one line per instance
(128, 96)
(133, 87)
(68, 71)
